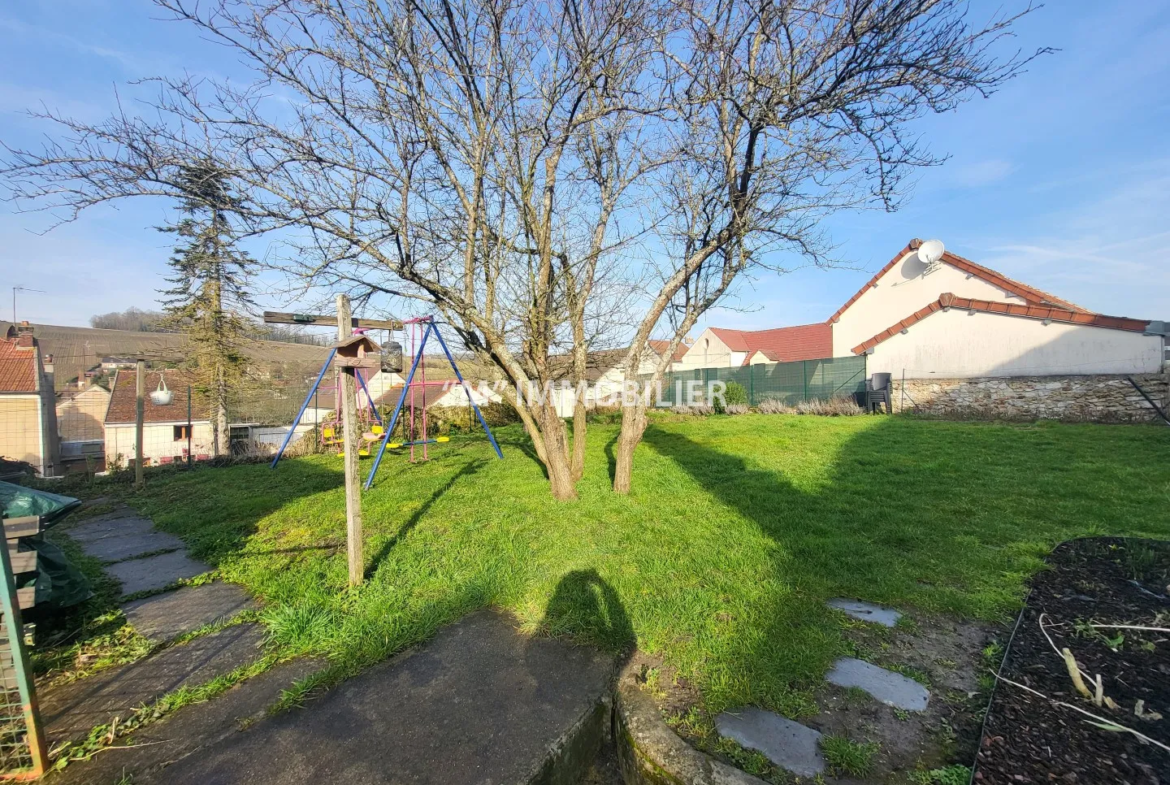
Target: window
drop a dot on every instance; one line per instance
(182, 432)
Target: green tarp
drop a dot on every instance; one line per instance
(18, 502)
(58, 583)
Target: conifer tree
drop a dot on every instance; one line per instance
(209, 289)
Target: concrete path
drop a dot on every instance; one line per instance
(70, 711)
(480, 703)
(145, 560)
(187, 731)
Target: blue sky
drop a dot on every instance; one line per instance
(1061, 180)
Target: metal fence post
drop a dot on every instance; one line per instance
(188, 426)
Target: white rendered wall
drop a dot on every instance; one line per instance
(903, 290)
(710, 352)
(157, 441)
(958, 344)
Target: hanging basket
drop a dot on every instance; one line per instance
(162, 396)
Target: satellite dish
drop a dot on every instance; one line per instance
(931, 252)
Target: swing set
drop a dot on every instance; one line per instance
(372, 427)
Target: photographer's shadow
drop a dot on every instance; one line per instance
(585, 608)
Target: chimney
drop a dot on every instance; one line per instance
(48, 363)
(24, 335)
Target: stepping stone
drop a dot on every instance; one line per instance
(786, 743)
(165, 617)
(478, 703)
(149, 750)
(892, 689)
(72, 710)
(128, 546)
(865, 611)
(155, 572)
(94, 530)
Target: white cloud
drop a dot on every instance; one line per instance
(1109, 252)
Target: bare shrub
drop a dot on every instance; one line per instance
(700, 409)
(839, 406)
(774, 406)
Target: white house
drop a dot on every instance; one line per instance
(28, 419)
(166, 426)
(719, 347)
(951, 318)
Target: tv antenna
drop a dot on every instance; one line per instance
(16, 289)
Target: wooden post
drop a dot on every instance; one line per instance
(139, 414)
(353, 492)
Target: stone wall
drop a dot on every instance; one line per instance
(1068, 398)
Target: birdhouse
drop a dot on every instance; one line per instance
(358, 352)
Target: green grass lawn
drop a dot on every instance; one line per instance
(720, 560)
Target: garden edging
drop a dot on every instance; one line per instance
(650, 753)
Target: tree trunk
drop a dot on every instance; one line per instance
(633, 426)
(222, 435)
(556, 449)
(580, 427)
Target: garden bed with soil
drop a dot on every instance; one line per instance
(1105, 600)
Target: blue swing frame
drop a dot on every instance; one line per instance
(431, 328)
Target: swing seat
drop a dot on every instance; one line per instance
(378, 430)
(442, 439)
(394, 445)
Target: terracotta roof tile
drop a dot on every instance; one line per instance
(123, 399)
(1031, 294)
(18, 366)
(423, 396)
(949, 300)
(660, 346)
(783, 344)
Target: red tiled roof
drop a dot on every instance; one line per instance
(18, 366)
(783, 344)
(660, 346)
(1031, 294)
(949, 300)
(423, 396)
(123, 399)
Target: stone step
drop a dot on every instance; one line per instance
(155, 572)
(70, 711)
(787, 743)
(101, 528)
(165, 617)
(866, 611)
(479, 703)
(129, 546)
(892, 689)
(142, 757)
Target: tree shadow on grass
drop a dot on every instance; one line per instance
(467, 470)
(217, 510)
(944, 517)
(611, 456)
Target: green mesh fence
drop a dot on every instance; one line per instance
(788, 382)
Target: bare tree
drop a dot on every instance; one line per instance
(522, 167)
(793, 111)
